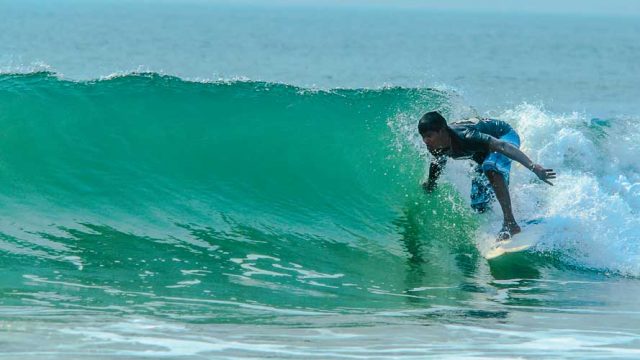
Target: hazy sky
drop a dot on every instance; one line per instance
(589, 7)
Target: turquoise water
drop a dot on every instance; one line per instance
(168, 213)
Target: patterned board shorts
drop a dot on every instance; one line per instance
(481, 191)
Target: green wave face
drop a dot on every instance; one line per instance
(144, 188)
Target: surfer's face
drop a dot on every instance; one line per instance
(436, 140)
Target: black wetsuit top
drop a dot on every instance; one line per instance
(470, 139)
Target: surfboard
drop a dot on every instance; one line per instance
(531, 233)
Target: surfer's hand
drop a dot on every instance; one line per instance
(544, 174)
(429, 186)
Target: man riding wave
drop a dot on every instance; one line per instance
(492, 144)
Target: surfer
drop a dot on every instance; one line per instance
(492, 144)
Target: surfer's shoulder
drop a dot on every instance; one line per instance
(465, 122)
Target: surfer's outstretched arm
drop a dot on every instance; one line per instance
(435, 169)
(517, 155)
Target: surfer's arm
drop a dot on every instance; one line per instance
(435, 169)
(514, 153)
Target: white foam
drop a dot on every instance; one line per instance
(592, 211)
(17, 67)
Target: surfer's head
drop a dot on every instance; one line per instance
(434, 131)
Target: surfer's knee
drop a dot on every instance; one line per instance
(491, 174)
(494, 175)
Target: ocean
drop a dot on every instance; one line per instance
(208, 180)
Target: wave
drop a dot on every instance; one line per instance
(248, 186)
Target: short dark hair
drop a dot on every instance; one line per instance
(431, 121)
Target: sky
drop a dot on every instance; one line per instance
(585, 7)
(581, 7)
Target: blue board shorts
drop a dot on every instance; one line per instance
(481, 191)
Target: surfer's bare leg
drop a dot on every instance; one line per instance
(509, 226)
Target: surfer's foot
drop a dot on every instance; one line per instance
(508, 230)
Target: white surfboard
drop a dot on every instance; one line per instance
(532, 232)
